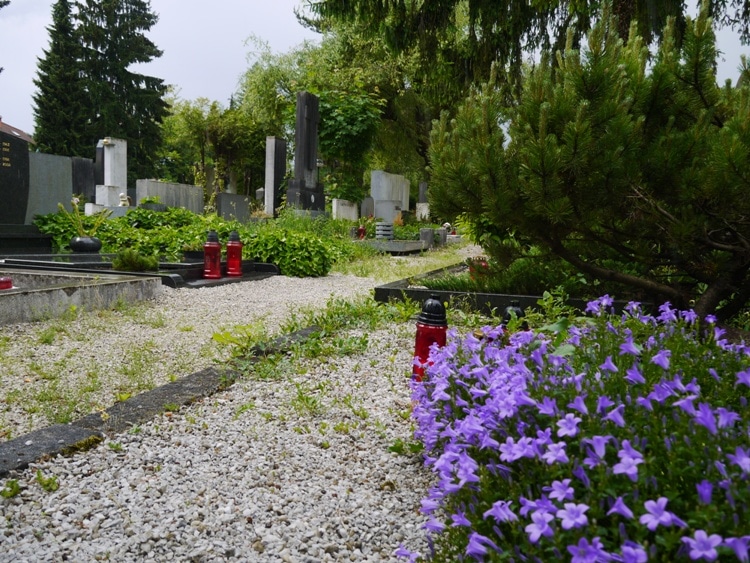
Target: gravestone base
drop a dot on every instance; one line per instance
(303, 198)
(23, 239)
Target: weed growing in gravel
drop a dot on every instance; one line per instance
(243, 408)
(49, 484)
(11, 489)
(305, 401)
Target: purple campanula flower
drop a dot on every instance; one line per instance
(627, 466)
(547, 406)
(657, 515)
(560, 490)
(403, 552)
(727, 418)
(568, 426)
(573, 515)
(741, 458)
(645, 402)
(599, 306)
(477, 546)
(703, 546)
(501, 511)
(467, 468)
(584, 552)
(630, 347)
(603, 403)
(740, 547)
(460, 519)
(686, 404)
(705, 417)
(429, 506)
(619, 507)
(555, 453)
(539, 526)
(527, 506)
(689, 316)
(661, 358)
(599, 443)
(579, 405)
(633, 553)
(615, 416)
(434, 525)
(666, 313)
(705, 488)
(743, 377)
(633, 374)
(580, 473)
(609, 365)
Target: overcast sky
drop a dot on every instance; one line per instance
(203, 43)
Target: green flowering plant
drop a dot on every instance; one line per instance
(83, 225)
(619, 437)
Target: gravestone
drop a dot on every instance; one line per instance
(344, 209)
(304, 190)
(367, 209)
(16, 235)
(233, 207)
(14, 179)
(112, 175)
(423, 207)
(275, 172)
(390, 193)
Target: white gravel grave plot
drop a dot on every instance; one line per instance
(244, 475)
(98, 355)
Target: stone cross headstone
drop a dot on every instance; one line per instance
(304, 190)
(14, 179)
(275, 172)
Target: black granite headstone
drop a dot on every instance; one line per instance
(83, 177)
(14, 179)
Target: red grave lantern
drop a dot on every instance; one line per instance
(234, 255)
(212, 256)
(432, 327)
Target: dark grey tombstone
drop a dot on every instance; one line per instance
(275, 173)
(304, 191)
(368, 207)
(98, 167)
(422, 192)
(83, 177)
(14, 179)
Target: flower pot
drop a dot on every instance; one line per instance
(86, 245)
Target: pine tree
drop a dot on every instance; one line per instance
(59, 104)
(122, 103)
(631, 173)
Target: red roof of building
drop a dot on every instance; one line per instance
(9, 129)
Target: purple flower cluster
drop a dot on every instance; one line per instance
(637, 424)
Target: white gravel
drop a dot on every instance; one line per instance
(293, 468)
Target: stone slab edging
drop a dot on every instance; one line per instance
(86, 432)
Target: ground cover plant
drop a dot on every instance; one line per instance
(618, 437)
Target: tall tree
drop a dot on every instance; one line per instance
(462, 38)
(122, 103)
(631, 172)
(59, 103)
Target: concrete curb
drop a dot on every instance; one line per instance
(86, 432)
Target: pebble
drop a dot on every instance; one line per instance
(218, 481)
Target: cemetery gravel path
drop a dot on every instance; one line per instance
(295, 469)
